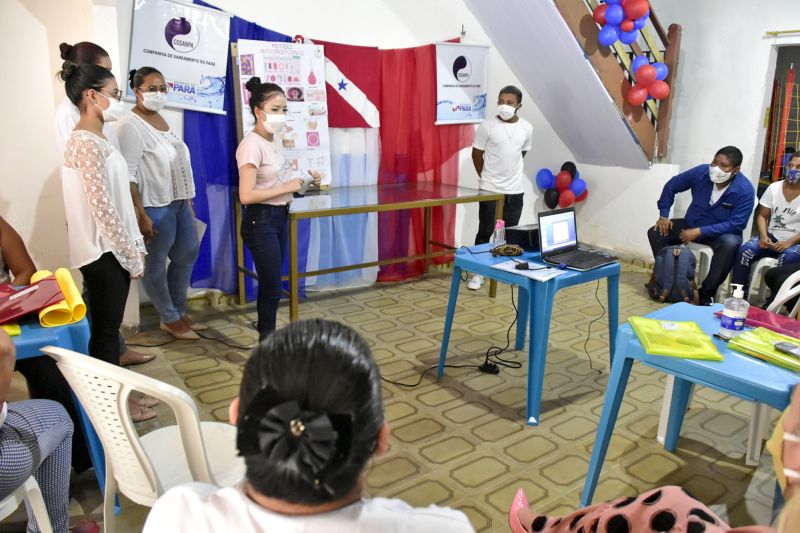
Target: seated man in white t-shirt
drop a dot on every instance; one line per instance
(501, 142)
(778, 224)
(310, 418)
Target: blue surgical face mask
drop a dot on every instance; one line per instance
(792, 175)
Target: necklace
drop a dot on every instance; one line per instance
(513, 130)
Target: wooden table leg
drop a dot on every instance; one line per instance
(237, 224)
(498, 213)
(428, 222)
(294, 292)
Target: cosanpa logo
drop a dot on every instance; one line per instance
(181, 35)
(462, 69)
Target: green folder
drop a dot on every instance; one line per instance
(674, 339)
(760, 343)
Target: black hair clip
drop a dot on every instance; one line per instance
(300, 440)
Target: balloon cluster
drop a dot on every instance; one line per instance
(562, 189)
(649, 81)
(621, 20)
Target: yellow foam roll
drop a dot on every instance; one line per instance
(68, 311)
(12, 329)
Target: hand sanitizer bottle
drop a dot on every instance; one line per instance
(734, 314)
(499, 235)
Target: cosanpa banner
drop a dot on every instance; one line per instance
(188, 44)
(461, 77)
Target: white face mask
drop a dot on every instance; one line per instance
(274, 123)
(717, 175)
(113, 111)
(154, 101)
(506, 112)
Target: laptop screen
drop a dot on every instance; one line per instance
(557, 231)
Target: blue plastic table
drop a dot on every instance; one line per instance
(535, 302)
(73, 337)
(738, 375)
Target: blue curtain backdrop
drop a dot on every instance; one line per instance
(212, 142)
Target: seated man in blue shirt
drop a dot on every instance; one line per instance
(722, 202)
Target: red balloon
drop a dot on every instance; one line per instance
(659, 89)
(600, 14)
(566, 199)
(636, 9)
(563, 181)
(627, 25)
(583, 196)
(637, 95)
(646, 75)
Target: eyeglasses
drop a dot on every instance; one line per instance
(116, 95)
(155, 89)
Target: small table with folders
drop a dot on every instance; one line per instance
(737, 374)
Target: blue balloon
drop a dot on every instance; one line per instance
(545, 179)
(615, 15)
(613, 2)
(577, 175)
(628, 37)
(640, 23)
(608, 35)
(577, 186)
(638, 62)
(661, 70)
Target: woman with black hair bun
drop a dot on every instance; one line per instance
(67, 116)
(310, 419)
(67, 113)
(266, 187)
(104, 238)
(162, 188)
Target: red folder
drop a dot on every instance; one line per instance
(759, 318)
(30, 299)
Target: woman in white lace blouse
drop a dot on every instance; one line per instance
(104, 238)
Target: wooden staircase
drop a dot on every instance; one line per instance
(551, 47)
(650, 123)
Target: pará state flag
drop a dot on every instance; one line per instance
(353, 79)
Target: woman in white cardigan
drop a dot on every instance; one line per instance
(162, 188)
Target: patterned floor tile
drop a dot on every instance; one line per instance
(462, 441)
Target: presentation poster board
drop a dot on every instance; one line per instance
(299, 69)
(461, 80)
(188, 44)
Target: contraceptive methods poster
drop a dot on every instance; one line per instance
(188, 44)
(299, 69)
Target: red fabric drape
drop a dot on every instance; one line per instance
(414, 150)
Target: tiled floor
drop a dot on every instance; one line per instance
(462, 442)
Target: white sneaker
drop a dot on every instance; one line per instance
(475, 282)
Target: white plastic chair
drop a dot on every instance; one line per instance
(757, 273)
(703, 253)
(30, 490)
(143, 468)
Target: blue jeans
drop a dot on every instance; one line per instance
(750, 252)
(176, 239)
(265, 231)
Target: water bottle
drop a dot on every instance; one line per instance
(734, 314)
(499, 235)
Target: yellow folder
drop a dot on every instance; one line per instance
(674, 339)
(68, 311)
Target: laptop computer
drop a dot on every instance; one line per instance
(558, 241)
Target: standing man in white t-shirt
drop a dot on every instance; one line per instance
(500, 144)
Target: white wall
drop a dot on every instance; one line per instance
(727, 65)
(30, 195)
